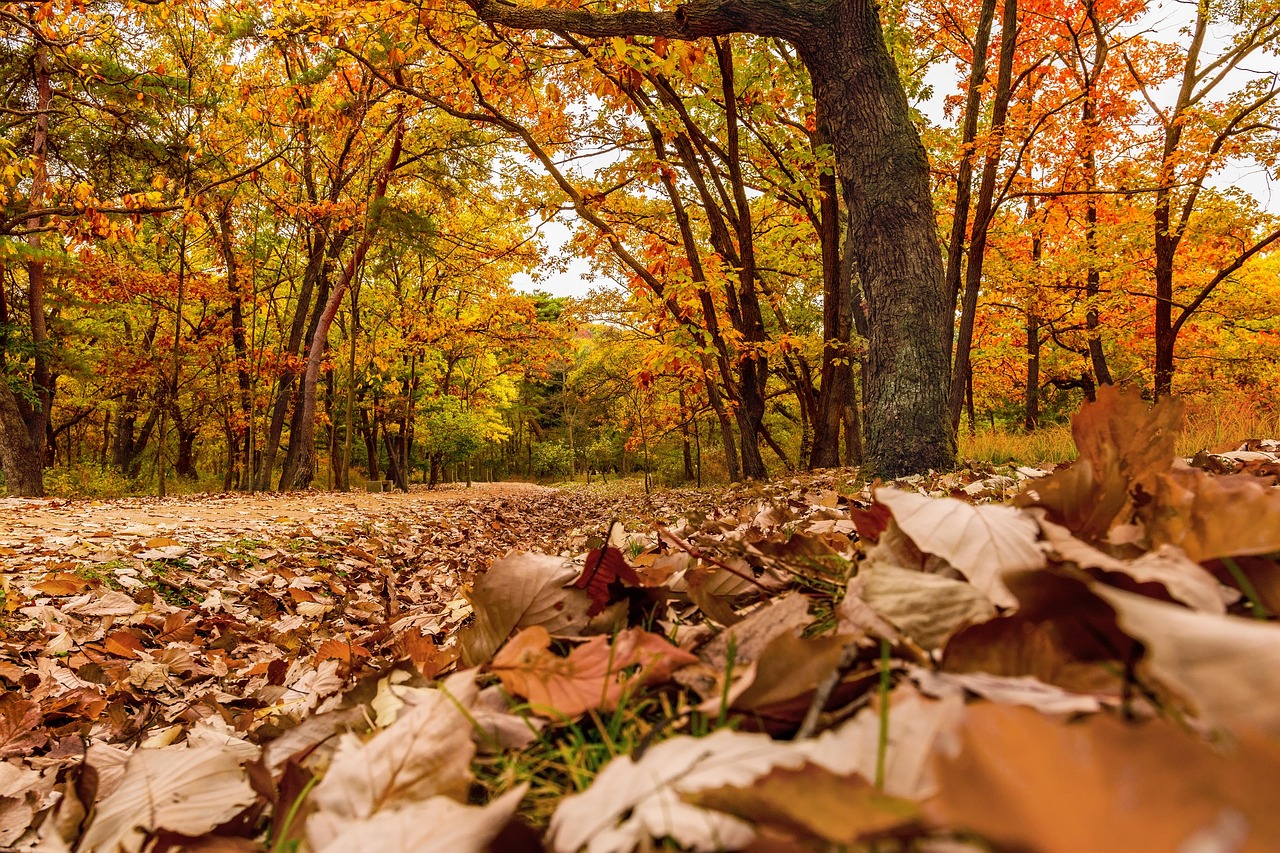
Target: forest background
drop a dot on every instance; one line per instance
(254, 246)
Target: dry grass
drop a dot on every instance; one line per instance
(1209, 425)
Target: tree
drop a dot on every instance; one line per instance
(1196, 138)
(884, 176)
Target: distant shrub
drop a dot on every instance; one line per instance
(87, 480)
(551, 459)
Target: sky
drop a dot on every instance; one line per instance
(1165, 18)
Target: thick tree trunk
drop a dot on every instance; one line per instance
(21, 461)
(885, 176)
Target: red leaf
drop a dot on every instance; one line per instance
(604, 566)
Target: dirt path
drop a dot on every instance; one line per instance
(232, 516)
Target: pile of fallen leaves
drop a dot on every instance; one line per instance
(1092, 664)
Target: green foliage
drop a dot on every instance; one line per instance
(88, 480)
(551, 459)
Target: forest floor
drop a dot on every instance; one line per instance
(804, 663)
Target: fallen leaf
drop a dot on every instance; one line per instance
(1021, 690)
(631, 801)
(1168, 566)
(1029, 782)
(594, 675)
(435, 825)
(925, 607)
(812, 803)
(520, 591)
(20, 729)
(1226, 667)
(425, 752)
(604, 566)
(1210, 517)
(982, 542)
(187, 791)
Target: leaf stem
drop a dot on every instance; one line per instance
(1260, 610)
(882, 747)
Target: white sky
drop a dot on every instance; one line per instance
(1165, 18)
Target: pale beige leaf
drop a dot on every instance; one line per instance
(436, 825)
(982, 542)
(917, 724)
(631, 802)
(1006, 690)
(925, 607)
(1226, 667)
(427, 751)
(519, 591)
(188, 791)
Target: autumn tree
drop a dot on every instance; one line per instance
(885, 182)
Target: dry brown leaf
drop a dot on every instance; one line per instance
(1029, 782)
(982, 542)
(812, 803)
(1168, 566)
(594, 675)
(1226, 667)
(20, 729)
(426, 752)
(182, 790)
(1210, 517)
(750, 636)
(435, 825)
(520, 591)
(1124, 445)
(1061, 634)
(927, 608)
(787, 668)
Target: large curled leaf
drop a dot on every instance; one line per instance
(426, 752)
(188, 791)
(434, 825)
(1226, 667)
(1028, 782)
(982, 542)
(519, 591)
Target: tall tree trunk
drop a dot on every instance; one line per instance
(27, 434)
(968, 133)
(961, 373)
(835, 351)
(23, 467)
(304, 470)
(885, 178)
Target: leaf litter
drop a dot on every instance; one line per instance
(809, 664)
